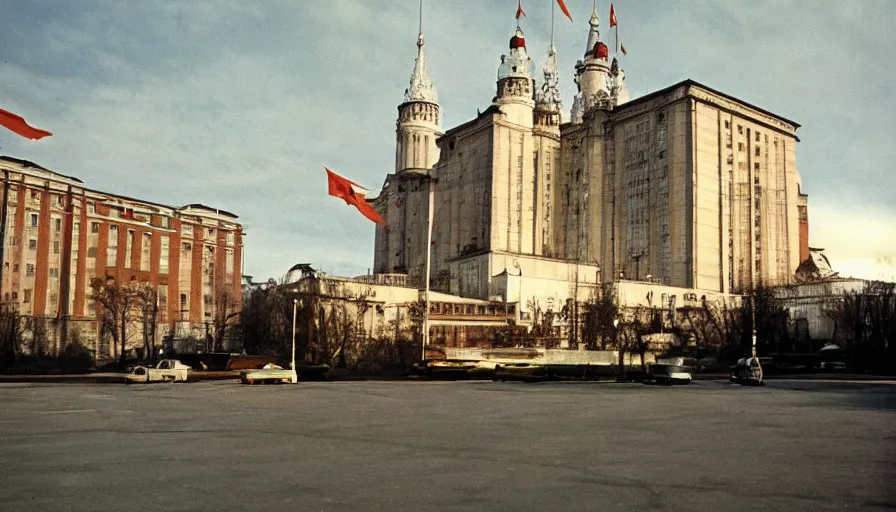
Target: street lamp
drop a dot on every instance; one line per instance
(295, 306)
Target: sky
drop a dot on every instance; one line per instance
(239, 104)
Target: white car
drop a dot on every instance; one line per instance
(168, 370)
(270, 374)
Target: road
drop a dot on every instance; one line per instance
(415, 445)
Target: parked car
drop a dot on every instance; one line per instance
(831, 366)
(270, 374)
(168, 370)
(673, 370)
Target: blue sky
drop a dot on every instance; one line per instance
(240, 104)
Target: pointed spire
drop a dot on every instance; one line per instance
(594, 31)
(421, 87)
(548, 98)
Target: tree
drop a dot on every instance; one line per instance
(223, 319)
(865, 321)
(120, 306)
(597, 321)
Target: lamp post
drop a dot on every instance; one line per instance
(295, 307)
(619, 356)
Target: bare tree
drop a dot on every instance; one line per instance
(865, 322)
(223, 320)
(120, 307)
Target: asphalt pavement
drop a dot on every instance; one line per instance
(473, 445)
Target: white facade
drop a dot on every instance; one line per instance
(686, 187)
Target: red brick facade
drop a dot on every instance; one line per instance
(59, 235)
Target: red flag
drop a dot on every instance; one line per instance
(344, 189)
(564, 9)
(622, 47)
(18, 125)
(612, 16)
(519, 9)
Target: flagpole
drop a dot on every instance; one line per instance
(552, 21)
(428, 262)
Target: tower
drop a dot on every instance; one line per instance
(548, 103)
(419, 120)
(593, 76)
(515, 95)
(403, 200)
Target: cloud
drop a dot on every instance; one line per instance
(240, 104)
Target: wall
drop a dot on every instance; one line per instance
(79, 234)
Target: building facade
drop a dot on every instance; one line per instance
(59, 235)
(686, 187)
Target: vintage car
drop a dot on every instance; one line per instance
(168, 370)
(747, 372)
(270, 374)
(672, 370)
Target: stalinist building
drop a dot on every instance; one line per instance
(685, 187)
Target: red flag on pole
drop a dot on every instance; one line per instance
(519, 9)
(352, 194)
(18, 125)
(564, 9)
(613, 22)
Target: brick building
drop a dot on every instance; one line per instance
(58, 235)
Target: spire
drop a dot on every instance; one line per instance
(421, 88)
(548, 98)
(594, 31)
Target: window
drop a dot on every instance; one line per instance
(740, 146)
(26, 296)
(94, 227)
(740, 129)
(15, 295)
(185, 247)
(35, 195)
(755, 166)
(187, 230)
(32, 244)
(113, 235)
(15, 267)
(230, 237)
(54, 272)
(128, 248)
(29, 269)
(757, 150)
(163, 254)
(58, 224)
(758, 137)
(210, 232)
(56, 247)
(145, 248)
(91, 207)
(60, 200)
(33, 220)
(13, 195)
(727, 124)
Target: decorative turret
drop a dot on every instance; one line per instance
(548, 103)
(592, 74)
(419, 119)
(515, 94)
